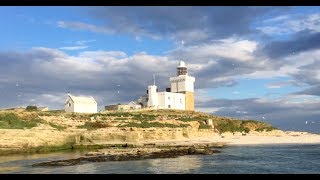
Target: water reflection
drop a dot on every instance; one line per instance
(235, 159)
(22, 163)
(182, 164)
(5, 170)
(89, 168)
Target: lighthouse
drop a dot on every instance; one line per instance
(183, 83)
(180, 96)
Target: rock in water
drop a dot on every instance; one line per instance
(165, 153)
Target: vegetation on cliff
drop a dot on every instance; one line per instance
(138, 119)
(24, 131)
(12, 121)
(15, 121)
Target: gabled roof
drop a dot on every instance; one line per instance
(82, 99)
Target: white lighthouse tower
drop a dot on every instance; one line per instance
(153, 95)
(183, 83)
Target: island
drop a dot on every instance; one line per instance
(133, 135)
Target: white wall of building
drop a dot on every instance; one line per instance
(74, 105)
(169, 100)
(69, 105)
(85, 108)
(182, 83)
(134, 105)
(153, 97)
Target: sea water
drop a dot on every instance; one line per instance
(251, 159)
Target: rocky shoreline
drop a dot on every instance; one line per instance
(129, 154)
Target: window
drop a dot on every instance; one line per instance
(180, 101)
(169, 106)
(69, 104)
(169, 97)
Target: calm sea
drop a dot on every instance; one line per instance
(232, 160)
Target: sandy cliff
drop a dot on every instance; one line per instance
(54, 131)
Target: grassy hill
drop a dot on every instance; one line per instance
(20, 119)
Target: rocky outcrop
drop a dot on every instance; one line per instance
(139, 154)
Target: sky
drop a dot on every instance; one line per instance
(258, 63)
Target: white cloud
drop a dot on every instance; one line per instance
(190, 36)
(105, 29)
(84, 42)
(236, 49)
(73, 48)
(286, 66)
(85, 26)
(48, 51)
(53, 98)
(274, 86)
(202, 96)
(101, 54)
(290, 24)
(276, 19)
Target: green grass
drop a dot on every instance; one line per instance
(231, 126)
(200, 119)
(145, 124)
(242, 126)
(222, 124)
(12, 121)
(117, 114)
(204, 126)
(186, 119)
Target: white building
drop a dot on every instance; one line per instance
(179, 96)
(134, 105)
(81, 104)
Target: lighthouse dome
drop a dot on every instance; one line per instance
(182, 64)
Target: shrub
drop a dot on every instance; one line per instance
(31, 108)
(204, 126)
(231, 126)
(12, 121)
(93, 125)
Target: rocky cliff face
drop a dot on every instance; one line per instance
(22, 131)
(141, 134)
(46, 139)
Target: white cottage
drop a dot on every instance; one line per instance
(134, 105)
(81, 104)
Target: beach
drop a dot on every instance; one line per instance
(251, 138)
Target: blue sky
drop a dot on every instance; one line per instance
(242, 58)
(37, 26)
